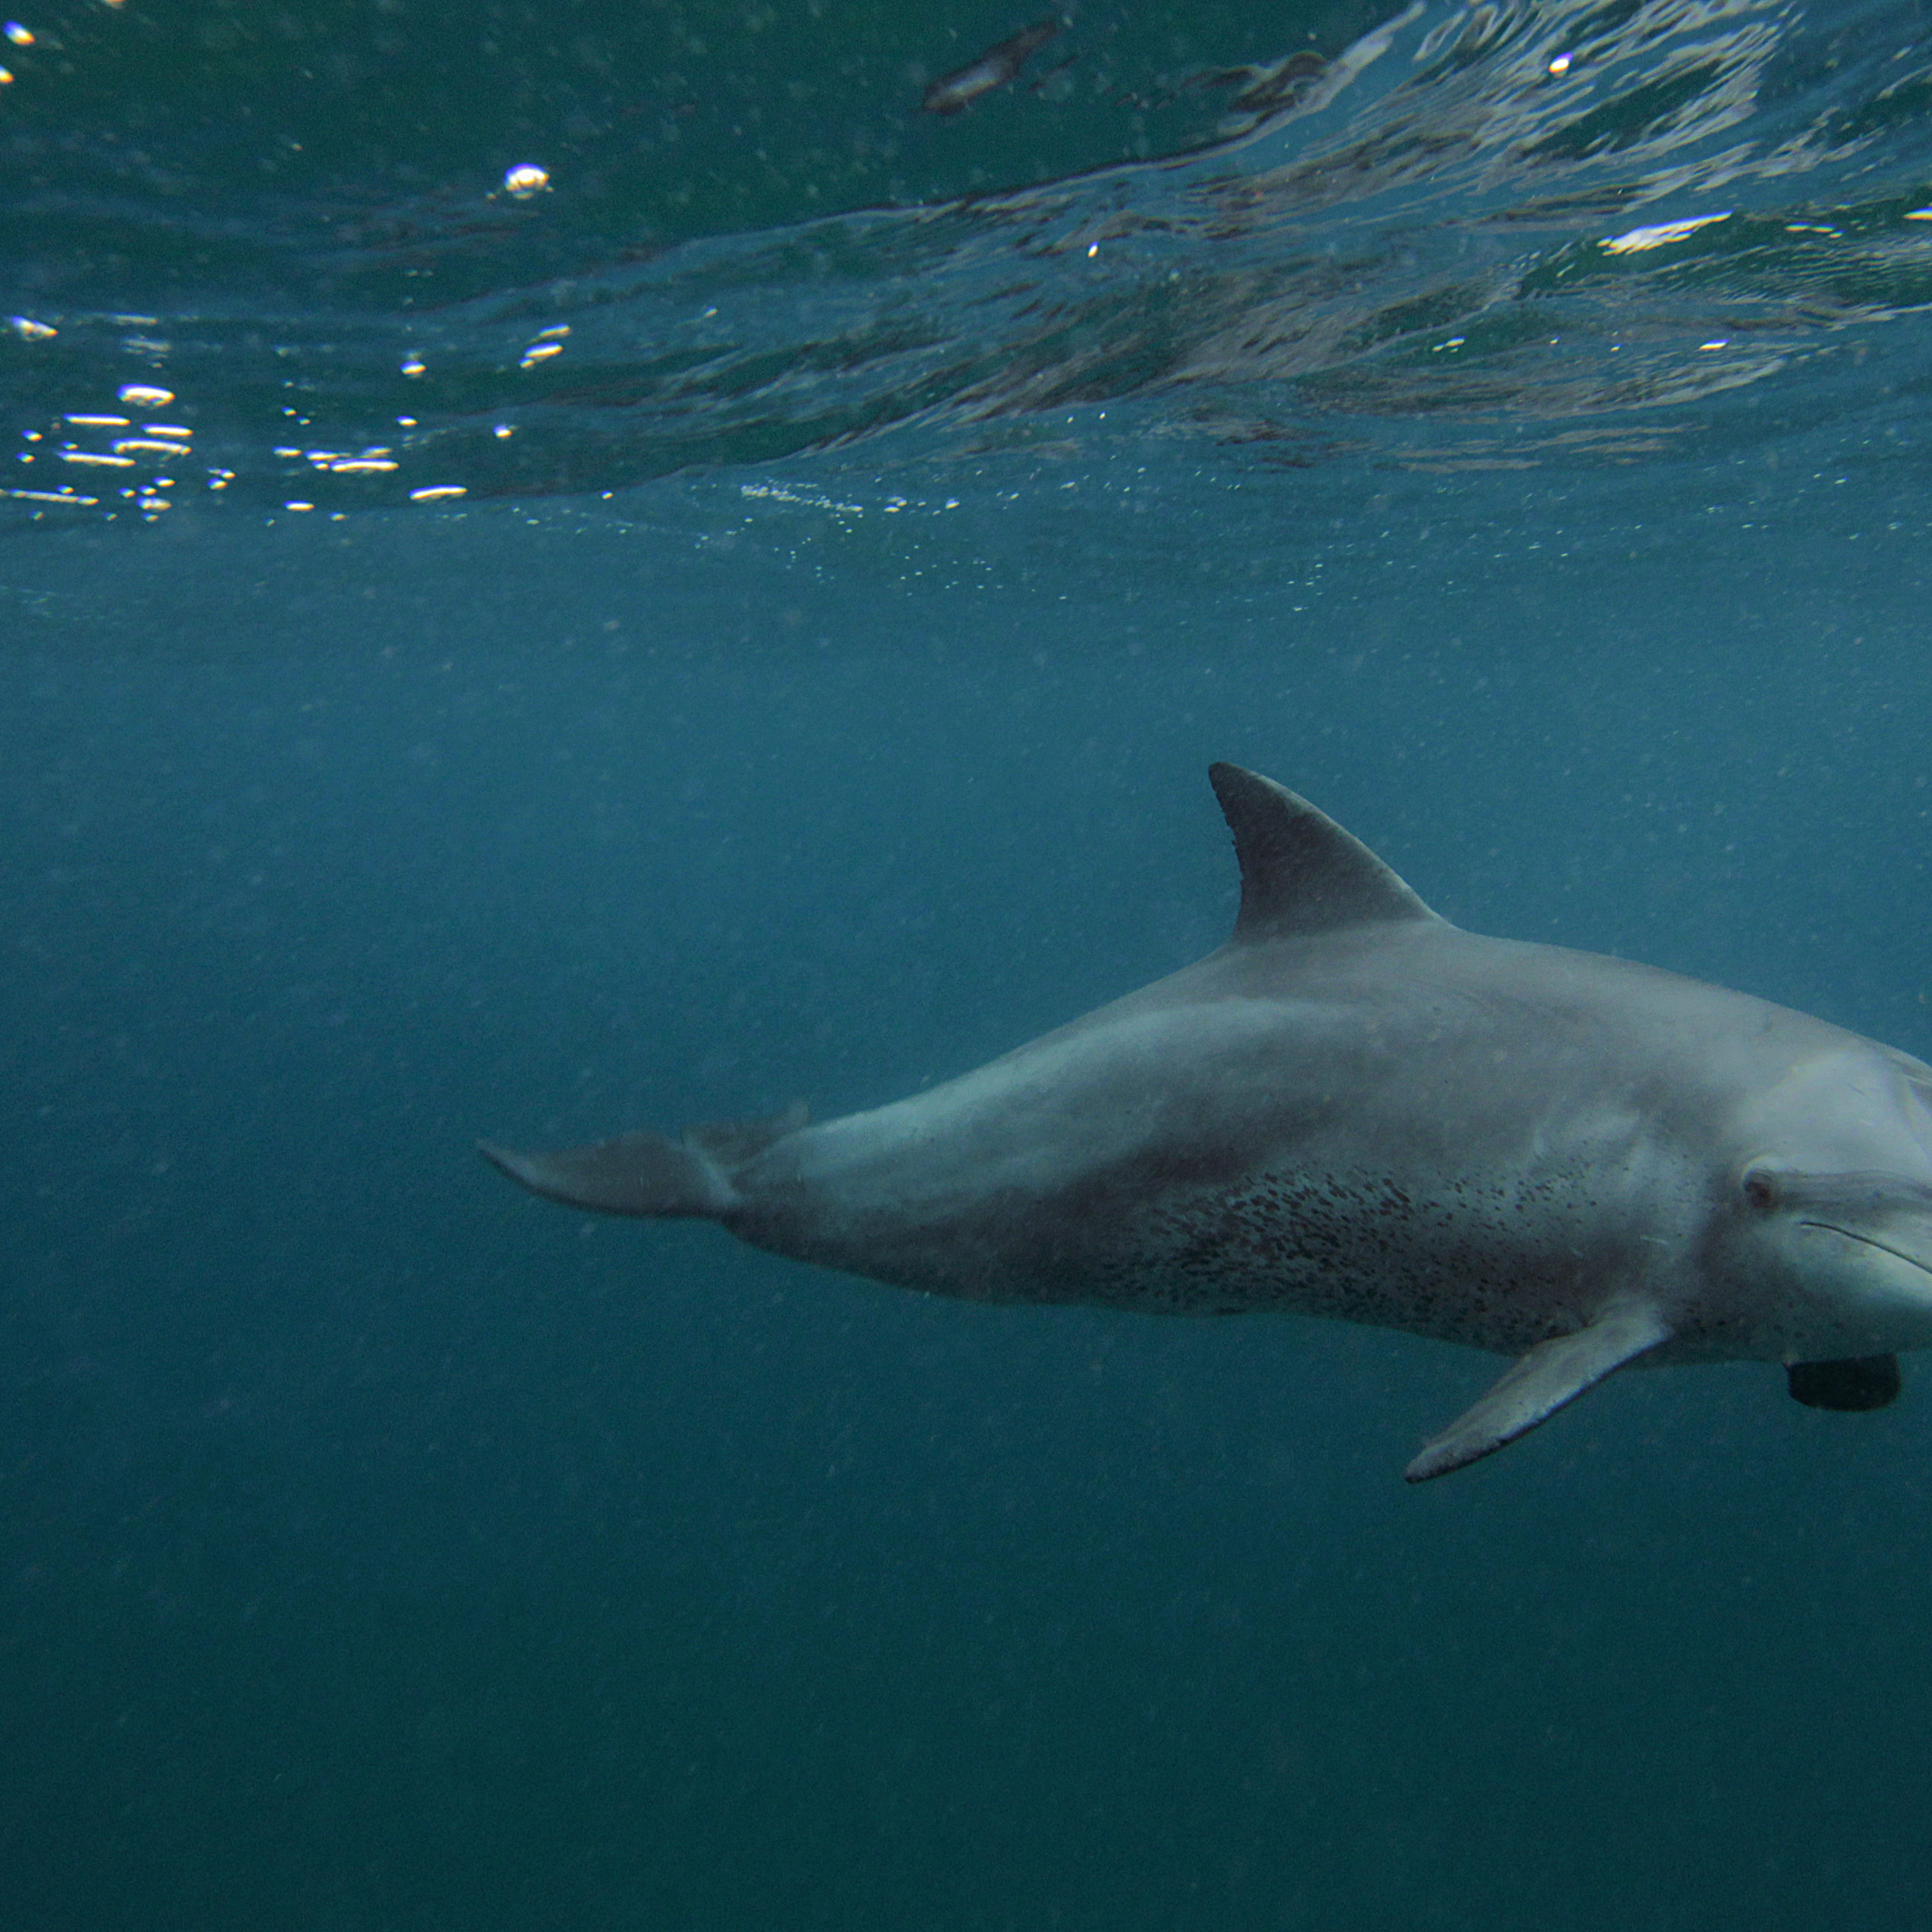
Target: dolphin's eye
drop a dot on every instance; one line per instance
(1761, 1189)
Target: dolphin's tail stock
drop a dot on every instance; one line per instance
(648, 1174)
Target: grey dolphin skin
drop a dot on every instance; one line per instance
(1356, 1109)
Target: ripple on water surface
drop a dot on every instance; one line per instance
(1534, 238)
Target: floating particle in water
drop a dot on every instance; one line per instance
(998, 67)
(525, 180)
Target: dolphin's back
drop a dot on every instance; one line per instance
(1344, 1125)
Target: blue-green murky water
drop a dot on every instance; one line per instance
(801, 683)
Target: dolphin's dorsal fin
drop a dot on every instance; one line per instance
(1300, 872)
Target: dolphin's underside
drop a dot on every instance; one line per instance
(1353, 1108)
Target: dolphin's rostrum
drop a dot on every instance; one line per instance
(1356, 1109)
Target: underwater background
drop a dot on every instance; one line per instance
(746, 616)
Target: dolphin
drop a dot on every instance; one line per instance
(1356, 1109)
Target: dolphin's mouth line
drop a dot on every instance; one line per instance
(1884, 1247)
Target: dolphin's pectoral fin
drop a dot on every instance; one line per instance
(1300, 872)
(1859, 1381)
(1540, 1381)
(643, 1174)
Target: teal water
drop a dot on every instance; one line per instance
(811, 694)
